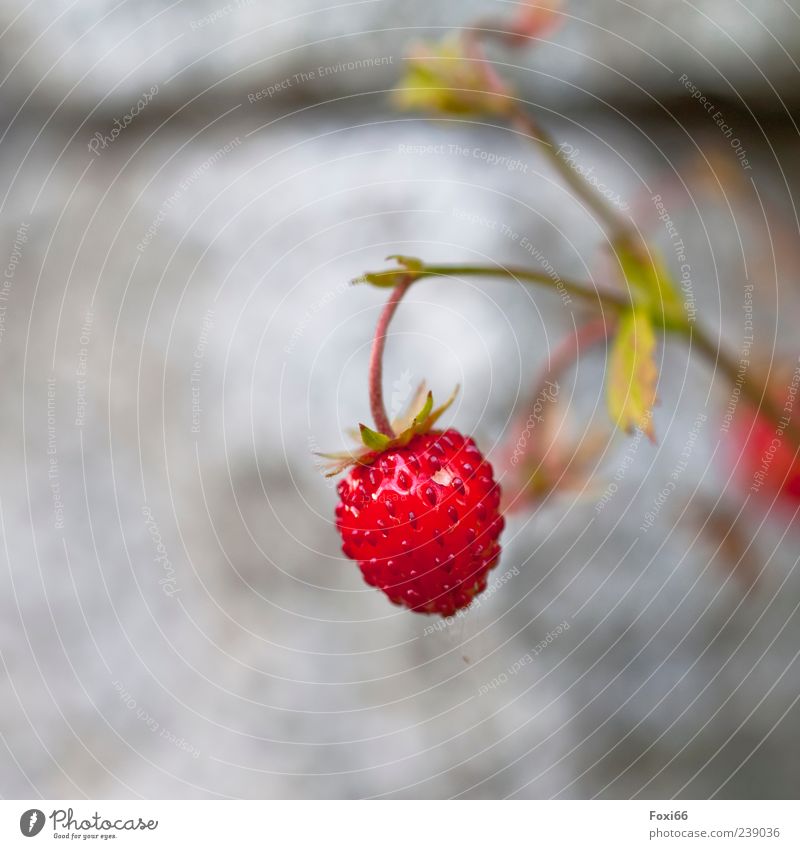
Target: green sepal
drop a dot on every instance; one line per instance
(423, 414)
(375, 443)
(372, 439)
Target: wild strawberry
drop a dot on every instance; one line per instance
(420, 510)
(765, 461)
(423, 521)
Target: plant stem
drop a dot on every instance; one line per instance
(756, 391)
(613, 300)
(753, 389)
(536, 455)
(595, 201)
(528, 126)
(376, 404)
(620, 230)
(563, 356)
(566, 353)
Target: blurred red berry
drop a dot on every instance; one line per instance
(766, 461)
(423, 521)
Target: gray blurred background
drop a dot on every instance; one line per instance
(177, 337)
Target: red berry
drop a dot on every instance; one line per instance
(765, 460)
(423, 522)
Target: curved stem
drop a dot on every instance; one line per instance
(376, 404)
(565, 354)
(590, 333)
(754, 390)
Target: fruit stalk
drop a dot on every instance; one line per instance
(377, 406)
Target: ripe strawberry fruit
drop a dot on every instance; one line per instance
(422, 520)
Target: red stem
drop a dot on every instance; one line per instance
(376, 404)
(592, 332)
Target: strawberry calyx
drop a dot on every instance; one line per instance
(420, 417)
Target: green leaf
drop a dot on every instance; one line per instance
(382, 279)
(452, 78)
(412, 263)
(372, 439)
(631, 388)
(651, 282)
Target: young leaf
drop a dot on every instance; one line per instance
(452, 78)
(650, 280)
(412, 263)
(410, 271)
(631, 389)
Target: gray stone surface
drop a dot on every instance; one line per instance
(101, 55)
